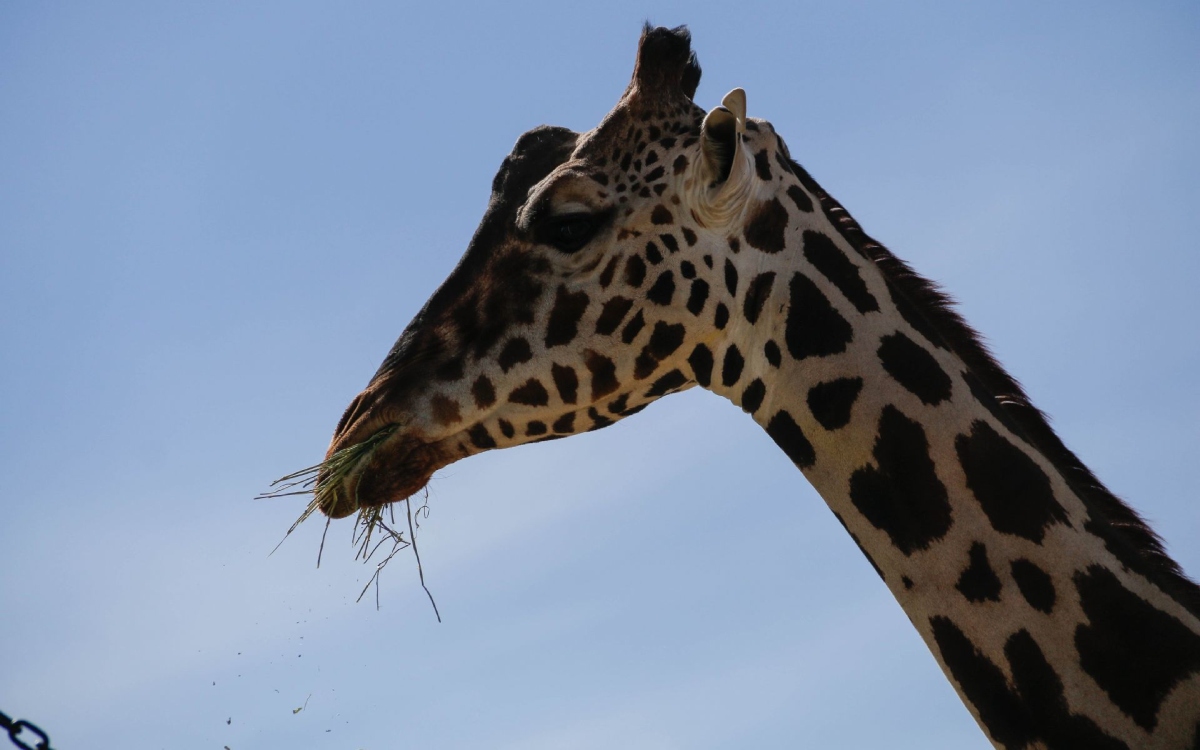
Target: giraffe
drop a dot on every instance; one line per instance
(671, 247)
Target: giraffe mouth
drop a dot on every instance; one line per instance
(395, 467)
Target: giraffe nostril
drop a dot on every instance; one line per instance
(369, 412)
(351, 415)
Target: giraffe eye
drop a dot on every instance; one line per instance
(570, 232)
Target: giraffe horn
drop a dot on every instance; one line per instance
(665, 62)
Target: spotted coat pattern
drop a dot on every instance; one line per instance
(669, 248)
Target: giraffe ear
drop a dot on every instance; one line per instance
(722, 183)
(719, 143)
(721, 137)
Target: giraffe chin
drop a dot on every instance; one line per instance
(395, 472)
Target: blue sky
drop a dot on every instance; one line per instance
(215, 219)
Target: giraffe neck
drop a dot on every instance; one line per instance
(1054, 625)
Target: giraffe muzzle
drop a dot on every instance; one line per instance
(395, 468)
(376, 457)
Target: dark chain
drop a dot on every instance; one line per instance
(16, 728)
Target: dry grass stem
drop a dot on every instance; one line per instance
(326, 481)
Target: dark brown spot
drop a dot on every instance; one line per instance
(800, 198)
(821, 251)
(530, 393)
(633, 328)
(788, 436)
(814, 328)
(652, 254)
(731, 367)
(564, 317)
(598, 420)
(1034, 584)
(772, 353)
(831, 402)
(604, 374)
(978, 582)
(566, 382)
(756, 296)
(765, 231)
(669, 382)
(697, 297)
(752, 397)
(606, 276)
(515, 352)
(665, 339)
(618, 405)
(721, 317)
(701, 360)
(535, 428)
(913, 367)
(663, 290)
(480, 437)
(612, 314)
(1012, 489)
(635, 271)
(901, 495)
(445, 410)
(762, 165)
(483, 392)
(565, 423)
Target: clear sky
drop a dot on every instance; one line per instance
(215, 218)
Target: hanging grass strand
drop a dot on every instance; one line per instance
(326, 482)
(420, 571)
(332, 473)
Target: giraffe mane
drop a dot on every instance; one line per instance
(932, 312)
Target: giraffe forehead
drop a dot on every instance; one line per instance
(490, 256)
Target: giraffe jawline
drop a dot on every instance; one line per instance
(397, 471)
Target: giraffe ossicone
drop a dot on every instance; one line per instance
(671, 247)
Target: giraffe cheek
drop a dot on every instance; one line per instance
(445, 411)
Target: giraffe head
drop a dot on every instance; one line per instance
(598, 281)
